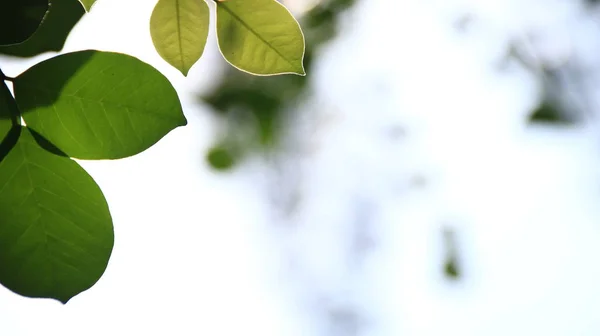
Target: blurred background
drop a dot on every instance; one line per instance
(435, 173)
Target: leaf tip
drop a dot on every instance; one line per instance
(63, 299)
(298, 70)
(183, 122)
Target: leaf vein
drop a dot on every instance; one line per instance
(237, 17)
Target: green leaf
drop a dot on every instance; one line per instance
(56, 232)
(98, 105)
(52, 33)
(179, 30)
(260, 37)
(87, 4)
(19, 19)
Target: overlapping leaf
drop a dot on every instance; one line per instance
(56, 233)
(19, 19)
(260, 37)
(179, 30)
(52, 33)
(98, 105)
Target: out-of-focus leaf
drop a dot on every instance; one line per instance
(220, 158)
(548, 113)
(451, 269)
(19, 19)
(451, 264)
(52, 33)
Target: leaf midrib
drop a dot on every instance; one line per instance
(183, 65)
(39, 219)
(101, 101)
(224, 6)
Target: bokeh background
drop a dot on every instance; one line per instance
(435, 173)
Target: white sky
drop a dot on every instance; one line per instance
(195, 252)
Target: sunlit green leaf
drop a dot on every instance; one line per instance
(52, 33)
(56, 232)
(19, 19)
(98, 105)
(87, 4)
(179, 30)
(260, 37)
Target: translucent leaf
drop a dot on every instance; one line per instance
(179, 30)
(87, 4)
(98, 105)
(260, 37)
(56, 232)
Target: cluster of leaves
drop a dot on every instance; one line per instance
(56, 231)
(260, 37)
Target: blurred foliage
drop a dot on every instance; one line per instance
(451, 267)
(256, 107)
(554, 108)
(220, 157)
(464, 22)
(550, 113)
(20, 19)
(266, 101)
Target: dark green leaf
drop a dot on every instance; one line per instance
(56, 232)
(98, 105)
(19, 19)
(52, 33)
